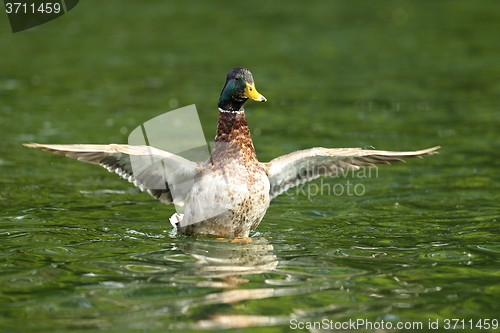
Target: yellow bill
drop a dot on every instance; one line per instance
(253, 94)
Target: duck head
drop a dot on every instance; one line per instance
(238, 89)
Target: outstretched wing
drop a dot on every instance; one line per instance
(301, 166)
(167, 177)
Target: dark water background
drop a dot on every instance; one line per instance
(82, 250)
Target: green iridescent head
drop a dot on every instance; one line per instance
(238, 88)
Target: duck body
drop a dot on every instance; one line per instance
(230, 192)
(230, 195)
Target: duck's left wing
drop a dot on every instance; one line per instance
(167, 177)
(301, 166)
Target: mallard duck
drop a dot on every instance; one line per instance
(229, 193)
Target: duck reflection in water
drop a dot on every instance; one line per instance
(223, 260)
(222, 263)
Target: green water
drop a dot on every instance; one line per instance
(83, 250)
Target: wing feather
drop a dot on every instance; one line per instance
(301, 166)
(153, 170)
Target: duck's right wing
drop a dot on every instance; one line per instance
(167, 177)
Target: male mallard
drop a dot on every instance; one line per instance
(229, 193)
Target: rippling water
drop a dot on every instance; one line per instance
(418, 243)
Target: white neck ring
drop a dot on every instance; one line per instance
(228, 111)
